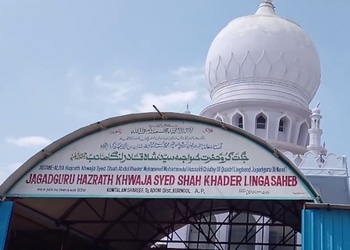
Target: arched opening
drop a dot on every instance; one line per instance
(316, 123)
(282, 237)
(219, 118)
(260, 125)
(281, 126)
(303, 135)
(261, 122)
(202, 233)
(283, 129)
(243, 231)
(237, 120)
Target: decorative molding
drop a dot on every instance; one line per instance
(230, 68)
(320, 165)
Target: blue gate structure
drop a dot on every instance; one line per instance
(5, 215)
(326, 227)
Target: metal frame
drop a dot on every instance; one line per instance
(145, 223)
(128, 223)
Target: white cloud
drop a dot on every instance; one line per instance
(119, 95)
(102, 88)
(183, 85)
(192, 78)
(189, 70)
(189, 77)
(100, 95)
(126, 91)
(29, 141)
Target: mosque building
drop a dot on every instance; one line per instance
(262, 72)
(251, 172)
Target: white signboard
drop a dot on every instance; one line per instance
(163, 159)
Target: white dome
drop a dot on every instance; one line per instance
(264, 57)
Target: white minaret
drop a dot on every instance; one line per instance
(315, 132)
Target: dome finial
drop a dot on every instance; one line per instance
(266, 7)
(187, 109)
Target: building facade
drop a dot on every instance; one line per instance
(250, 173)
(262, 72)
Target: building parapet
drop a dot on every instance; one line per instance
(319, 165)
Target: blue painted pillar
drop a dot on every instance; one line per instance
(326, 227)
(5, 216)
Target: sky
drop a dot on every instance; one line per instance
(67, 64)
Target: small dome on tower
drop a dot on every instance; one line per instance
(264, 57)
(316, 110)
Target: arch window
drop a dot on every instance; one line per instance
(282, 237)
(243, 232)
(284, 127)
(261, 122)
(240, 122)
(202, 235)
(237, 120)
(218, 118)
(303, 135)
(281, 126)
